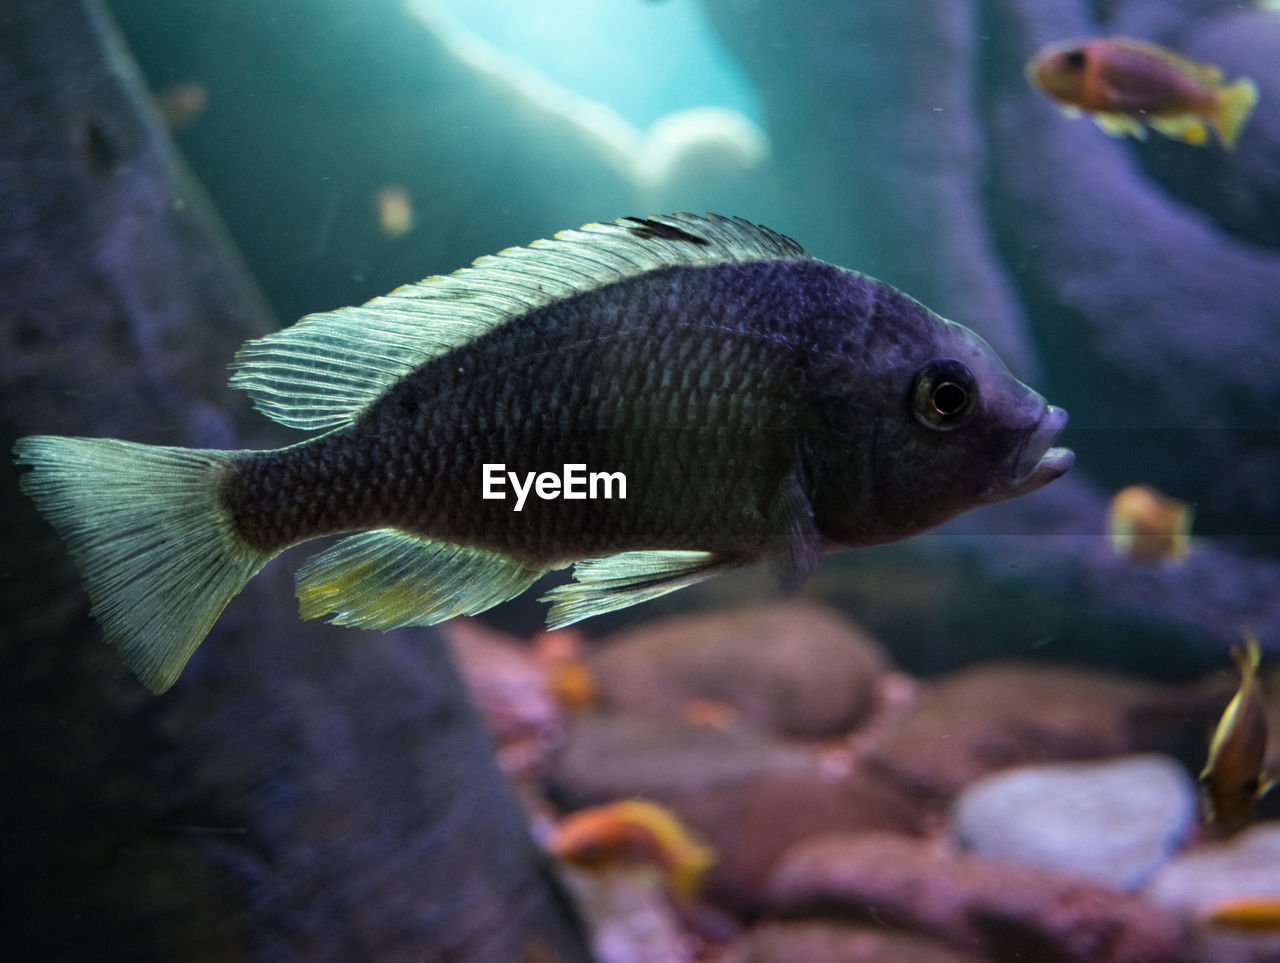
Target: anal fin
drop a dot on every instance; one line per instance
(385, 579)
(1120, 125)
(617, 581)
(1184, 127)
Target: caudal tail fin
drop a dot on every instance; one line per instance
(1235, 104)
(147, 530)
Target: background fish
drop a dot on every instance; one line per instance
(761, 404)
(1232, 780)
(634, 832)
(1244, 913)
(1129, 85)
(1148, 526)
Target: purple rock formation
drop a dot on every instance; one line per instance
(1241, 190)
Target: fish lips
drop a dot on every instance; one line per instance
(1037, 462)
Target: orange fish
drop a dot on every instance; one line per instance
(710, 712)
(569, 680)
(1129, 85)
(1147, 526)
(634, 832)
(1232, 779)
(1245, 913)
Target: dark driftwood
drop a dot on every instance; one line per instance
(302, 792)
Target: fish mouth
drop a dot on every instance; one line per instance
(1037, 462)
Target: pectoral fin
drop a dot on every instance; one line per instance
(792, 516)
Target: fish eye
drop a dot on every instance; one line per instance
(1074, 59)
(944, 396)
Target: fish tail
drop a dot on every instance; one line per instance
(155, 546)
(1233, 107)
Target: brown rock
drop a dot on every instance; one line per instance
(794, 668)
(1002, 714)
(833, 942)
(1003, 911)
(751, 796)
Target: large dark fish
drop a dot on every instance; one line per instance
(760, 403)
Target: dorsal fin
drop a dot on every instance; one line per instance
(324, 370)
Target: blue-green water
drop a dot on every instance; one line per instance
(642, 59)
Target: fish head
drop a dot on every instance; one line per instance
(1060, 70)
(959, 431)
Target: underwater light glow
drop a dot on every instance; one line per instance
(650, 58)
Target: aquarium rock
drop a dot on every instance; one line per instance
(793, 669)
(1115, 821)
(750, 795)
(1003, 911)
(1247, 865)
(787, 942)
(1002, 714)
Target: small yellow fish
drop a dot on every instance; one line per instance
(1146, 526)
(1128, 85)
(395, 210)
(634, 832)
(180, 104)
(1245, 913)
(1232, 780)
